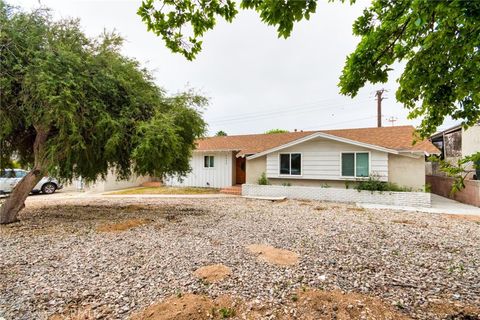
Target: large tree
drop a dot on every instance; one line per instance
(438, 39)
(74, 106)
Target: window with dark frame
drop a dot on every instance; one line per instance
(208, 161)
(291, 164)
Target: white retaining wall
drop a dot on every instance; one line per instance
(410, 199)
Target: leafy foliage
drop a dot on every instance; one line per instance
(99, 109)
(170, 18)
(373, 183)
(263, 180)
(227, 312)
(458, 171)
(438, 40)
(440, 43)
(272, 131)
(221, 133)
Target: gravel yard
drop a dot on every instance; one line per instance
(114, 257)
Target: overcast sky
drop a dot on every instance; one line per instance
(254, 80)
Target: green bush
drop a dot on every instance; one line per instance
(263, 180)
(286, 184)
(373, 183)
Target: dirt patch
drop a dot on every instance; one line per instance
(454, 311)
(151, 184)
(123, 225)
(213, 273)
(356, 209)
(166, 190)
(190, 307)
(307, 304)
(404, 221)
(84, 313)
(466, 217)
(274, 255)
(323, 305)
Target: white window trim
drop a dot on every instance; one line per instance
(355, 165)
(290, 174)
(208, 168)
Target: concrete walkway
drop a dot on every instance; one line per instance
(439, 205)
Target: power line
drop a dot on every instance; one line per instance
(290, 107)
(320, 126)
(276, 114)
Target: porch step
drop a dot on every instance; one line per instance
(235, 190)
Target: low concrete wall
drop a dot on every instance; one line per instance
(411, 199)
(443, 185)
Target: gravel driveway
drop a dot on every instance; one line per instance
(56, 260)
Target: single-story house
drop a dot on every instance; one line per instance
(310, 158)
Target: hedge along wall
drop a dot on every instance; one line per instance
(410, 199)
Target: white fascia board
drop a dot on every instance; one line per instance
(215, 150)
(326, 136)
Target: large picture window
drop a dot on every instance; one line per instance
(208, 161)
(291, 164)
(355, 164)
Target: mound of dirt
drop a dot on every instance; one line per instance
(274, 255)
(305, 305)
(123, 225)
(213, 273)
(454, 311)
(323, 305)
(467, 217)
(189, 307)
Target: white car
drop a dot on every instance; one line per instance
(10, 177)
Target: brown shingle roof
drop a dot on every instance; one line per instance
(398, 138)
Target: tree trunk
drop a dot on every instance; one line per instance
(16, 201)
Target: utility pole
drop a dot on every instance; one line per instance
(379, 94)
(392, 120)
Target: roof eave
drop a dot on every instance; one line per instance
(322, 135)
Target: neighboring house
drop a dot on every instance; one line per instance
(456, 143)
(110, 183)
(310, 158)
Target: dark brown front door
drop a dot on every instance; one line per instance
(240, 171)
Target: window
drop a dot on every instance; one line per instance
(20, 174)
(208, 161)
(7, 174)
(355, 164)
(291, 164)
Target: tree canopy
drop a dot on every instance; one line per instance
(438, 40)
(221, 133)
(272, 131)
(75, 106)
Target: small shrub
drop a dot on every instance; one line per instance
(347, 184)
(427, 188)
(373, 183)
(286, 184)
(263, 180)
(227, 313)
(325, 185)
(294, 298)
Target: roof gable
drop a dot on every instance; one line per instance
(388, 139)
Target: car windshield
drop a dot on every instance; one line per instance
(20, 174)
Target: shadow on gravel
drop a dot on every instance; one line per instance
(102, 218)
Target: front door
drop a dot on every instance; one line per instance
(240, 171)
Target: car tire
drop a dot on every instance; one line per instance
(49, 188)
